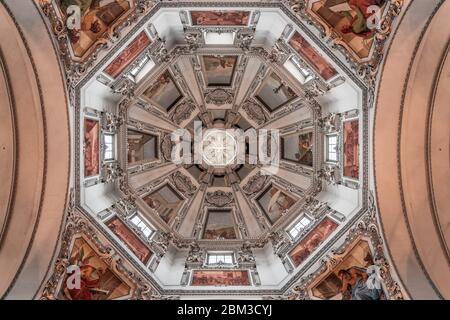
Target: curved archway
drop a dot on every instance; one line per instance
(35, 149)
(411, 143)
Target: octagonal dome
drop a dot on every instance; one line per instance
(221, 148)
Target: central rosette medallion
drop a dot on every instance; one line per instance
(219, 148)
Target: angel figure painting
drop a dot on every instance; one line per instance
(305, 149)
(354, 278)
(97, 281)
(354, 20)
(298, 148)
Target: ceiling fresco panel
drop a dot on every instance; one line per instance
(307, 52)
(128, 55)
(220, 18)
(220, 278)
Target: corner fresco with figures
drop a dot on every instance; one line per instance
(97, 19)
(354, 278)
(97, 280)
(351, 20)
(358, 27)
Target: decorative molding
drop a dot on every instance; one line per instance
(183, 111)
(219, 198)
(166, 147)
(255, 184)
(183, 184)
(254, 111)
(219, 96)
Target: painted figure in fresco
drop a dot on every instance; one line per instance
(158, 86)
(90, 279)
(357, 12)
(129, 239)
(305, 156)
(91, 165)
(312, 241)
(220, 63)
(127, 55)
(351, 145)
(354, 285)
(88, 159)
(279, 203)
(153, 203)
(300, 45)
(96, 16)
(219, 18)
(221, 278)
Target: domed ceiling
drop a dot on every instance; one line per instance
(298, 74)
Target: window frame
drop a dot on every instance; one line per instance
(142, 225)
(307, 74)
(220, 254)
(135, 73)
(112, 145)
(327, 148)
(299, 226)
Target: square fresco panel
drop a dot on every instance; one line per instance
(98, 282)
(91, 147)
(274, 203)
(219, 70)
(127, 56)
(315, 60)
(96, 18)
(349, 279)
(164, 92)
(220, 278)
(219, 225)
(298, 148)
(351, 149)
(166, 202)
(141, 146)
(312, 241)
(349, 19)
(130, 239)
(220, 18)
(273, 94)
